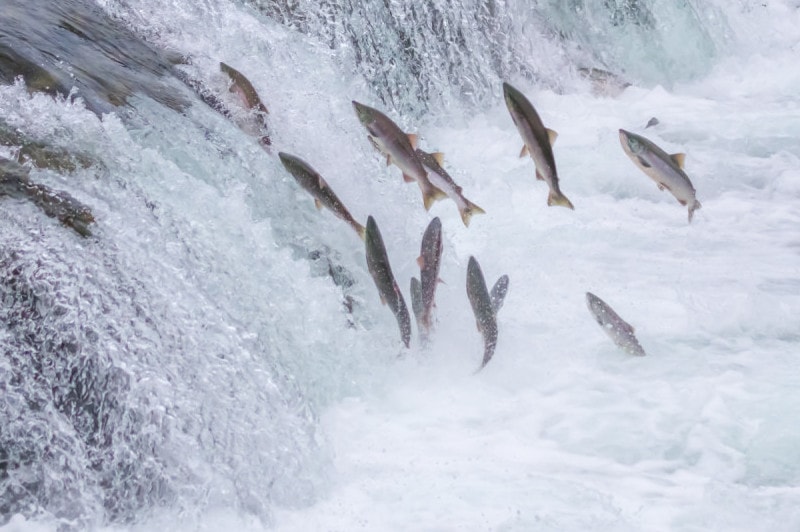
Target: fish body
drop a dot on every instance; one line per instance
(309, 179)
(15, 182)
(416, 304)
(381, 271)
(429, 260)
(389, 139)
(537, 141)
(485, 315)
(242, 87)
(666, 170)
(620, 332)
(442, 180)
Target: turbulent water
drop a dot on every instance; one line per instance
(216, 355)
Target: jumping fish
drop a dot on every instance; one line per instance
(309, 179)
(242, 87)
(381, 271)
(538, 142)
(429, 261)
(389, 139)
(665, 170)
(442, 180)
(620, 332)
(15, 182)
(604, 83)
(484, 306)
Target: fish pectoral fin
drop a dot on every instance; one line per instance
(663, 186)
(660, 186)
(539, 176)
(407, 178)
(383, 300)
(679, 159)
(318, 204)
(388, 160)
(551, 136)
(413, 139)
(438, 157)
(682, 202)
(643, 162)
(524, 151)
(421, 261)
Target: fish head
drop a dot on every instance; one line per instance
(631, 143)
(289, 162)
(366, 114)
(596, 306)
(512, 97)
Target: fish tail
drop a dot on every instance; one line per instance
(693, 207)
(557, 198)
(468, 210)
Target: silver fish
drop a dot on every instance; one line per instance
(442, 180)
(309, 179)
(389, 139)
(242, 87)
(620, 332)
(538, 142)
(485, 306)
(429, 260)
(381, 271)
(666, 170)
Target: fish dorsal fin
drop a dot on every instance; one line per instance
(679, 159)
(551, 136)
(413, 139)
(524, 151)
(318, 204)
(438, 157)
(421, 262)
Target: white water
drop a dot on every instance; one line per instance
(561, 431)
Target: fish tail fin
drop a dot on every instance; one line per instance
(428, 198)
(468, 210)
(557, 198)
(693, 207)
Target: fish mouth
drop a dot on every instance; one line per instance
(362, 111)
(624, 138)
(510, 94)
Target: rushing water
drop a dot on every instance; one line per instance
(216, 355)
